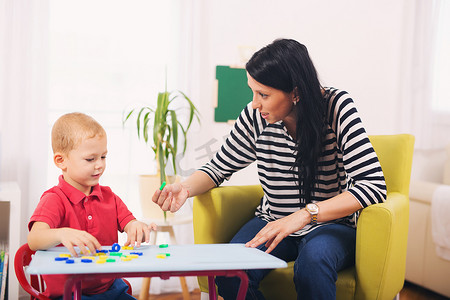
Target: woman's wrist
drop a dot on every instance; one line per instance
(186, 187)
(305, 216)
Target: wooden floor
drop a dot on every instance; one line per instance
(409, 292)
(414, 292)
(195, 295)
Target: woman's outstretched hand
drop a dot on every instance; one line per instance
(171, 198)
(274, 232)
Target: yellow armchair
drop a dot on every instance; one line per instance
(381, 235)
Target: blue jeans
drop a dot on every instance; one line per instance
(117, 291)
(318, 257)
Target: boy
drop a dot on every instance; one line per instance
(78, 211)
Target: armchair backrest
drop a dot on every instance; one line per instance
(381, 236)
(395, 154)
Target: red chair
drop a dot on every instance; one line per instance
(35, 287)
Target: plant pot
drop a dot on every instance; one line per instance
(148, 184)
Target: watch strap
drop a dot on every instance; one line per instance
(313, 219)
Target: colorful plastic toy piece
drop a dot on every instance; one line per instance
(163, 246)
(86, 260)
(102, 251)
(61, 258)
(115, 253)
(160, 256)
(65, 255)
(136, 253)
(165, 254)
(110, 260)
(126, 258)
(70, 261)
(127, 248)
(101, 261)
(162, 186)
(115, 248)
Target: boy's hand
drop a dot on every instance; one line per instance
(85, 241)
(138, 232)
(42, 237)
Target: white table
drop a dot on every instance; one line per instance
(184, 260)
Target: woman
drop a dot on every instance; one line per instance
(315, 163)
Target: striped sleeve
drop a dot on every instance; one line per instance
(365, 177)
(237, 152)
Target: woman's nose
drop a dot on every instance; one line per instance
(255, 103)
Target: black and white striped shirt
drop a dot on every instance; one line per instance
(348, 161)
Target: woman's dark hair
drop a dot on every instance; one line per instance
(285, 65)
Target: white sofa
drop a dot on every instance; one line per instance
(424, 267)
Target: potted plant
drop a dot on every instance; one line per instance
(160, 127)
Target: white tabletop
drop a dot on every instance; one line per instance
(202, 257)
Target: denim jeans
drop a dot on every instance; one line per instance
(117, 291)
(318, 257)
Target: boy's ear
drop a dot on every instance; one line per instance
(59, 160)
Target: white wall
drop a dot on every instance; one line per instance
(359, 46)
(356, 45)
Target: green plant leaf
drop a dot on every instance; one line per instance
(173, 117)
(162, 164)
(124, 120)
(185, 138)
(166, 125)
(192, 110)
(145, 126)
(138, 122)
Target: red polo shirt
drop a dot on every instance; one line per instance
(102, 214)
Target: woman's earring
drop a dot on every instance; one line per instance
(295, 103)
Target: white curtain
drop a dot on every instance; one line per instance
(23, 144)
(416, 115)
(29, 102)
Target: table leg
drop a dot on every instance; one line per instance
(243, 286)
(212, 288)
(77, 291)
(73, 284)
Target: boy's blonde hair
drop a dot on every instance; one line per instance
(70, 129)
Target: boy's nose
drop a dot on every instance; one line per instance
(99, 165)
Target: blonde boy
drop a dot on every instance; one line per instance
(78, 211)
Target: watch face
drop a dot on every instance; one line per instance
(312, 208)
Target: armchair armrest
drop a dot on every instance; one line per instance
(381, 241)
(219, 213)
